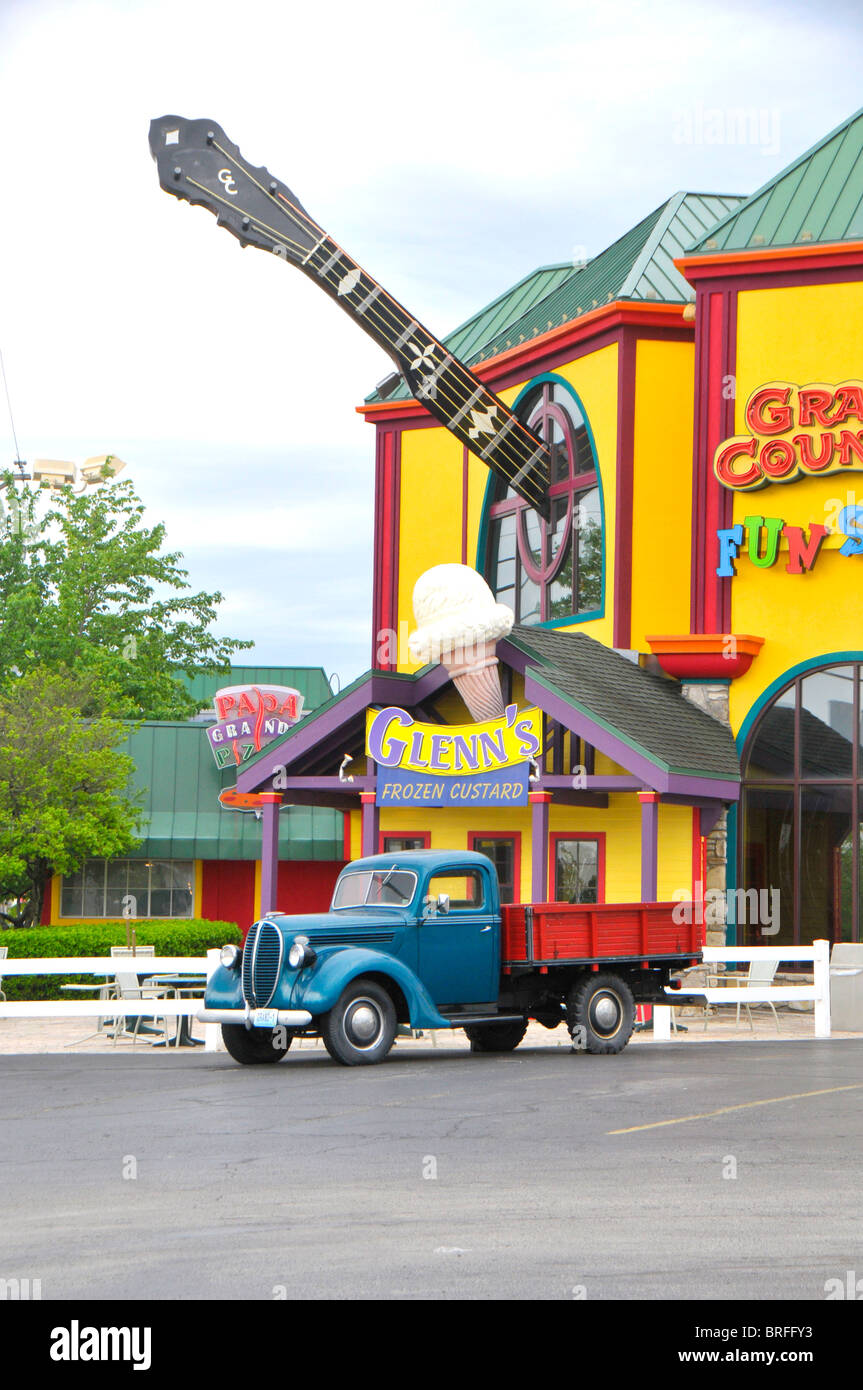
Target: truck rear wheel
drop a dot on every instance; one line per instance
(255, 1046)
(360, 1029)
(600, 1013)
(496, 1037)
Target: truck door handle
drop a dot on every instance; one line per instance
(482, 929)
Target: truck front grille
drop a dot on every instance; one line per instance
(262, 963)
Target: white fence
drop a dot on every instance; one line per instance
(819, 992)
(110, 966)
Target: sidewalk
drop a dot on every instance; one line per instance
(39, 1035)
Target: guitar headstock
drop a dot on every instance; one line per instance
(197, 162)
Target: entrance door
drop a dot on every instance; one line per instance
(458, 950)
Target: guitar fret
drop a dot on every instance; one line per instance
(328, 265)
(369, 300)
(499, 437)
(407, 333)
(535, 458)
(316, 246)
(459, 416)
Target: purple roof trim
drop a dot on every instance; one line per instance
(376, 687)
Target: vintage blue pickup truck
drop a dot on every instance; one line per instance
(419, 939)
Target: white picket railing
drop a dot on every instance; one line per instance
(819, 992)
(110, 966)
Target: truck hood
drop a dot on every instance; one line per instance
(344, 928)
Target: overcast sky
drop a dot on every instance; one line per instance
(450, 146)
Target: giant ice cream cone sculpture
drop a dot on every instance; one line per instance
(460, 624)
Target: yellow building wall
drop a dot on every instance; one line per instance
(801, 334)
(662, 489)
(432, 492)
(620, 823)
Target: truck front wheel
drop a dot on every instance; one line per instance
(359, 1030)
(600, 1013)
(496, 1037)
(254, 1046)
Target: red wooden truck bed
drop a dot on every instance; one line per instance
(559, 933)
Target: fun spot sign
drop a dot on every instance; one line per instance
(453, 764)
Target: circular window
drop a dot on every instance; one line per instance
(550, 570)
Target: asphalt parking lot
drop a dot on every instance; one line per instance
(723, 1173)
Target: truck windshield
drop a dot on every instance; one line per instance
(370, 888)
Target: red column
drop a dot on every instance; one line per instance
(270, 802)
(539, 802)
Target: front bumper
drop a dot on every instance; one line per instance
(287, 1018)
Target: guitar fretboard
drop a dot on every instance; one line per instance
(447, 388)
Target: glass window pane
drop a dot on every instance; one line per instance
(767, 868)
(465, 890)
(94, 902)
(576, 876)
(589, 522)
(827, 833)
(532, 534)
(827, 723)
(160, 903)
(528, 602)
(772, 752)
(71, 901)
(501, 852)
(556, 437)
(583, 462)
(94, 873)
(395, 844)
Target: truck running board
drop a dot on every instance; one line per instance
(460, 1020)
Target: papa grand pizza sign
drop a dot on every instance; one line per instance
(248, 717)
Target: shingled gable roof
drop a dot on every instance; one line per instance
(643, 712)
(639, 266)
(816, 199)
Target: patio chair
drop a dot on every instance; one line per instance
(4, 951)
(128, 985)
(760, 973)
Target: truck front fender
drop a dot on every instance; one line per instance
(318, 988)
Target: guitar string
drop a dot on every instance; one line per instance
(524, 438)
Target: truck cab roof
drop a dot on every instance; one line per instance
(422, 860)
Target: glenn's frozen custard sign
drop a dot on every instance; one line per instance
(453, 764)
(249, 717)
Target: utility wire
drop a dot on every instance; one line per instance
(18, 459)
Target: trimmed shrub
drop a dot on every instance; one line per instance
(175, 937)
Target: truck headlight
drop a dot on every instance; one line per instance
(229, 955)
(301, 953)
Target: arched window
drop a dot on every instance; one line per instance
(801, 811)
(550, 571)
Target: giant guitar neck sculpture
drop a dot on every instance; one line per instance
(197, 162)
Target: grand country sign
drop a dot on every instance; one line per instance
(794, 432)
(248, 717)
(453, 764)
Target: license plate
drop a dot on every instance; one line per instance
(265, 1018)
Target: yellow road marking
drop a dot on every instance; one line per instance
(746, 1105)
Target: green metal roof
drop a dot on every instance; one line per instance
(181, 783)
(638, 266)
(175, 769)
(818, 198)
(309, 680)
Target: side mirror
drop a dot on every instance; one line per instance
(436, 907)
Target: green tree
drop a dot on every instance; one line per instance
(62, 780)
(85, 587)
